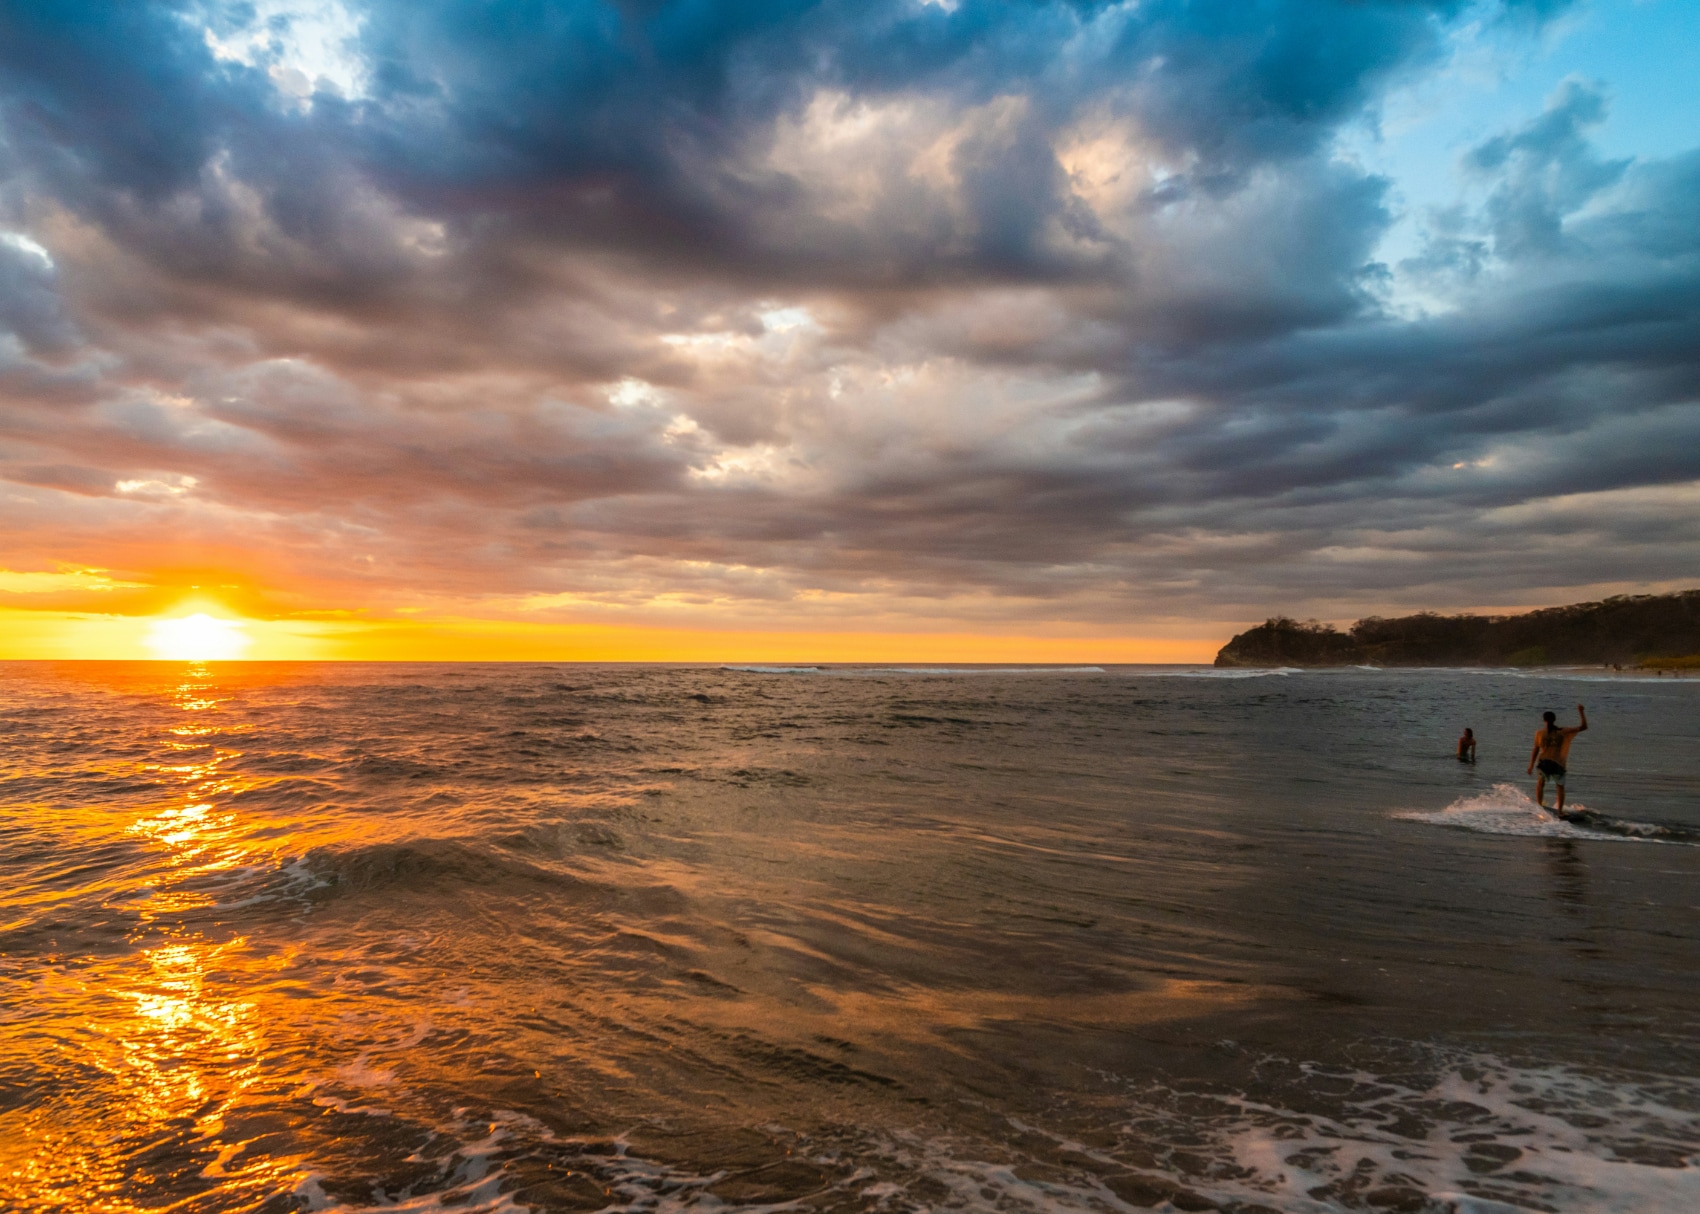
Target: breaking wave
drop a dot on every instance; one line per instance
(1450, 1132)
(1506, 809)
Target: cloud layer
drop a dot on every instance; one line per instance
(876, 314)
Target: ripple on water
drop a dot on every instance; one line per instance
(496, 939)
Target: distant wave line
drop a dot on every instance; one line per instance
(872, 670)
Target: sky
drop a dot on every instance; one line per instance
(956, 330)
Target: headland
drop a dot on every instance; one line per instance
(1650, 631)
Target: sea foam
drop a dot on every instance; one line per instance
(1506, 809)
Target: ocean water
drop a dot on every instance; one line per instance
(606, 938)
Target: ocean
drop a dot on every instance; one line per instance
(690, 938)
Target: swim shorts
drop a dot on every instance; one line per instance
(1552, 771)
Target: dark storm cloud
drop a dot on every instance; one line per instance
(1068, 305)
(641, 126)
(637, 125)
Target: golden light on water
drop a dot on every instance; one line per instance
(171, 1039)
(198, 638)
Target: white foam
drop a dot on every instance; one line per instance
(1506, 809)
(470, 1179)
(886, 670)
(1230, 672)
(982, 670)
(1475, 1135)
(1484, 1137)
(1567, 675)
(1472, 1135)
(294, 879)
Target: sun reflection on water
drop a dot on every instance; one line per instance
(176, 1021)
(166, 1053)
(167, 1037)
(201, 839)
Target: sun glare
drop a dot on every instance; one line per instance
(197, 638)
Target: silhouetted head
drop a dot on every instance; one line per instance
(1469, 733)
(1551, 718)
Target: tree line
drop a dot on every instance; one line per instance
(1641, 629)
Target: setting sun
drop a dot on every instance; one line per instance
(197, 638)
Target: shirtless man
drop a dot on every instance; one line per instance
(1551, 753)
(1467, 747)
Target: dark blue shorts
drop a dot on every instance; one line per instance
(1552, 771)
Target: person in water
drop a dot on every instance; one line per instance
(1552, 753)
(1467, 747)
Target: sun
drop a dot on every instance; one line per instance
(197, 638)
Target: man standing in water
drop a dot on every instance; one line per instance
(1551, 753)
(1467, 747)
